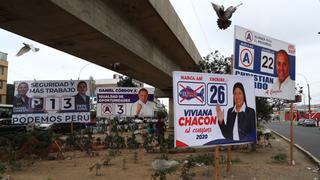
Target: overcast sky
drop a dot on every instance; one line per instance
(293, 21)
(46, 64)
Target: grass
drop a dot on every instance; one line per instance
(280, 158)
(236, 160)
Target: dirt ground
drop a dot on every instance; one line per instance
(250, 165)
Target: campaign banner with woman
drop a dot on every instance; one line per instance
(213, 109)
(46, 102)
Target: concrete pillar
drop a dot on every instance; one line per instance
(171, 118)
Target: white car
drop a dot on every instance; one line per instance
(309, 122)
(43, 126)
(138, 121)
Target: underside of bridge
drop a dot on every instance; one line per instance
(146, 37)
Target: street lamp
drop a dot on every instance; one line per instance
(309, 97)
(300, 91)
(82, 69)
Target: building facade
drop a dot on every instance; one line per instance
(3, 77)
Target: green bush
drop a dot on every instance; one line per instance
(162, 173)
(44, 138)
(148, 143)
(206, 159)
(87, 144)
(119, 142)
(132, 143)
(25, 143)
(186, 174)
(170, 141)
(2, 168)
(162, 113)
(71, 142)
(280, 158)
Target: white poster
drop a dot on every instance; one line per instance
(213, 109)
(125, 102)
(51, 102)
(269, 61)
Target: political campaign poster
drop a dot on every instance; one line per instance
(213, 109)
(125, 102)
(269, 61)
(46, 102)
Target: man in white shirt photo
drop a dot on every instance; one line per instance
(284, 84)
(143, 107)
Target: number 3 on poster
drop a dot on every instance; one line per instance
(64, 103)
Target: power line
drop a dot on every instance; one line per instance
(200, 25)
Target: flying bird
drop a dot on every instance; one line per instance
(26, 48)
(224, 15)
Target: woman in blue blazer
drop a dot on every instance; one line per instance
(241, 119)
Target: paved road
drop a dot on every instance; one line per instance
(306, 137)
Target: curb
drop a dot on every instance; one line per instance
(317, 161)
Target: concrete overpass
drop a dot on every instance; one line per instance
(145, 36)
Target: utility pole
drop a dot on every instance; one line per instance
(309, 106)
(309, 100)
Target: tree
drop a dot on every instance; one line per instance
(162, 112)
(215, 63)
(264, 109)
(125, 82)
(279, 104)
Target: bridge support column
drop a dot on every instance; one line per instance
(171, 118)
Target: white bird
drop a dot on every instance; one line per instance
(26, 48)
(224, 15)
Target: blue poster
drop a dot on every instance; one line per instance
(269, 61)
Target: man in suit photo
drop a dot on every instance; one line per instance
(82, 101)
(21, 102)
